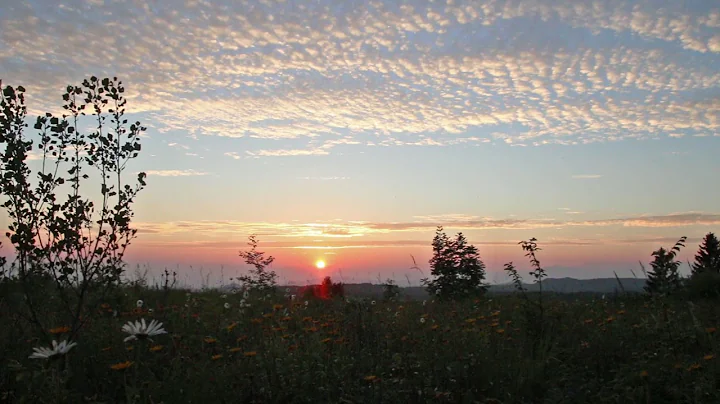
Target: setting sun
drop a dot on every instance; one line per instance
(320, 264)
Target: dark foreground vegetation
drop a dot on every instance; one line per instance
(234, 348)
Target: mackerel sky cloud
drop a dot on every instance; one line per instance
(374, 121)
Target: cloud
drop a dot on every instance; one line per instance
(359, 229)
(586, 176)
(324, 178)
(174, 173)
(360, 244)
(412, 72)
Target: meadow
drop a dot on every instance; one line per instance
(276, 348)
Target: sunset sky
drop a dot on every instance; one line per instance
(347, 130)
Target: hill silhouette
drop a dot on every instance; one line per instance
(553, 285)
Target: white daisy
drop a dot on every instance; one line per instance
(141, 330)
(139, 304)
(57, 349)
(227, 305)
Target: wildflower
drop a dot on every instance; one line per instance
(370, 378)
(373, 303)
(139, 304)
(246, 294)
(141, 330)
(694, 366)
(709, 357)
(156, 348)
(226, 305)
(121, 365)
(59, 330)
(710, 330)
(424, 302)
(49, 353)
(233, 350)
(306, 303)
(216, 357)
(250, 353)
(209, 340)
(151, 311)
(223, 296)
(644, 373)
(231, 326)
(422, 320)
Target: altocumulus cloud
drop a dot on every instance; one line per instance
(385, 73)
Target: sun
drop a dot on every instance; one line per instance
(320, 264)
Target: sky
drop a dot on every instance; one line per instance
(346, 131)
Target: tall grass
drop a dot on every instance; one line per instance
(339, 351)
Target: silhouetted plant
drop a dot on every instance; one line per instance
(3, 262)
(259, 278)
(329, 289)
(534, 311)
(664, 278)
(707, 258)
(456, 267)
(516, 278)
(71, 243)
(391, 290)
(538, 272)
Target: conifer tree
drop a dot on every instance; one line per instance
(664, 277)
(707, 258)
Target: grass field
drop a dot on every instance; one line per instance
(277, 350)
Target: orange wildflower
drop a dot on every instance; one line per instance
(121, 365)
(59, 330)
